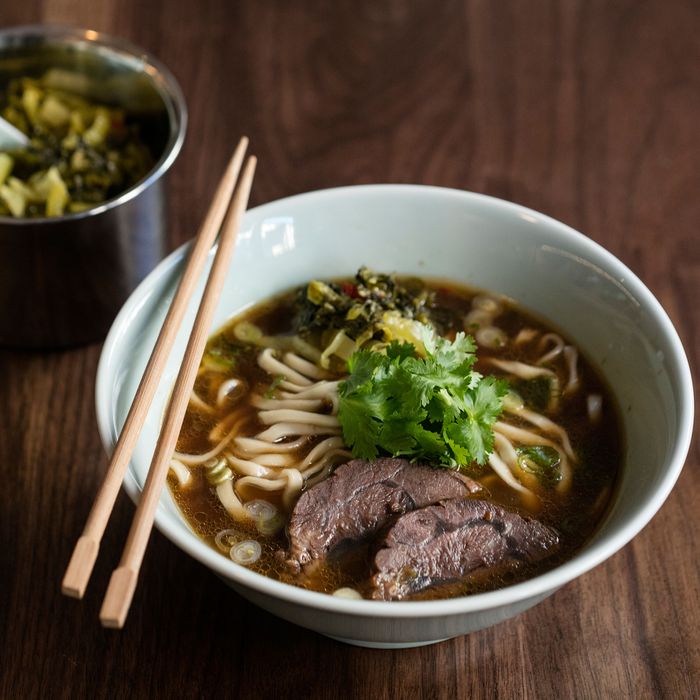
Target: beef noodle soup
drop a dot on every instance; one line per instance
(349, 437)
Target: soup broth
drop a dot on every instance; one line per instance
(560, 388)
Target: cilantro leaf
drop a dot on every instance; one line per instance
(399, 351)
(362, 366)
(434, 408)
(360, 427)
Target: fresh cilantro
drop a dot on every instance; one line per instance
(435, 408)
(360, 427)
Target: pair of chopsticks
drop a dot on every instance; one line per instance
(224, 214)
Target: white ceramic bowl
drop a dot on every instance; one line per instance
(484, 242)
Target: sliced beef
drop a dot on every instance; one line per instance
(446, 541)
(359, 498)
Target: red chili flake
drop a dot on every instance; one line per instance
(118, 123)
(349, 289)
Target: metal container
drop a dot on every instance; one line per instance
(63, 279)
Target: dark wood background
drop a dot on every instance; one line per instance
(587, 110)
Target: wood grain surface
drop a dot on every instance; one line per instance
(586, 110)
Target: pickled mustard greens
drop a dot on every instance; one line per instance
(373, 307)
(80, 153)
(370, 311)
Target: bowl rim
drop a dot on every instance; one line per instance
(163, 81)
(592, 554)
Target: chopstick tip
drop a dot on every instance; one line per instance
(117, 601)
(80, 567)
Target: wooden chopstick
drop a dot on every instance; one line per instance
(122, 585)
(86, 548)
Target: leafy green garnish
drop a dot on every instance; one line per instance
(435, 408)
(541, 460)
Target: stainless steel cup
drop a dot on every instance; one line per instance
(62, 280)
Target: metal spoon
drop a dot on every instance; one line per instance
(11, 138)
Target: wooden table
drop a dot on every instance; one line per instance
(587, 111)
